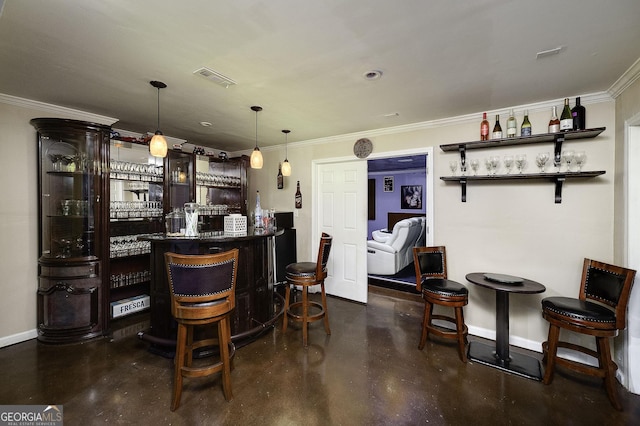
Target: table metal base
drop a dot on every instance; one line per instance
(518, 364)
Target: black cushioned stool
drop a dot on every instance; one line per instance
(431, 280)
(306, 274)
(202, 293)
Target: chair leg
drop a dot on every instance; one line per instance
(178, 363)
(462, 337)
(285, 318)
(426, 323)
(305, 315)
(224, 332)
(326, 312)
(552, 349)
(604, 352)
(188, 360)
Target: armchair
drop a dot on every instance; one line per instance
(390, 256)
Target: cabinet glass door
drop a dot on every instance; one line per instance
(70, 181)
(179, 176)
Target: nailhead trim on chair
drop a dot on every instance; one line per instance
(207, 265)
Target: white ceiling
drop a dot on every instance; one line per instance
(303, 61)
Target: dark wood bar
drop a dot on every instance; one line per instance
(256, 310)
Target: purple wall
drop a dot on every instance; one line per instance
(393, 201)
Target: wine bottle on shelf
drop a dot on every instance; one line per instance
(566, 119)
(484, 128)
(497, 129)
(525, 129)
(512, 125)
(579, 116)
(554, 123)
(258, 212)
(298, 197)
(280, 177)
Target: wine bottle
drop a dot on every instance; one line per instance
(512, 125)
(484, 128)
(566, 119)
(258, 212)
(554, 123)
(579, 116)
(298, 197)
(280, 177)
(497, 128)
(525, 129)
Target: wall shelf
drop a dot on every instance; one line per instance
(556, 138)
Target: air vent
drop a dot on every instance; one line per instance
(215, 76)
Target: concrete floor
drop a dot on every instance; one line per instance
(368, 372)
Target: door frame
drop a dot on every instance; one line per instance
(429, 185)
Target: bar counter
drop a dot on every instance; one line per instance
(256, 309)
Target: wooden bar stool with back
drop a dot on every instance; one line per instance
(306, 274)
(202, 293)
(431, 280)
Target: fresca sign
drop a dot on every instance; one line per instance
(31, 415)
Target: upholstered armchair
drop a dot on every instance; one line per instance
(389, 256)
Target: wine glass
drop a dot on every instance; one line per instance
(488, 165)
(541, 160)
(475, 164)
(567, 157)
(580, 158)
(521, 162)
(495, 164)
(453, 166)
(508, 163)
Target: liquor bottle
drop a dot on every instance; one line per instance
(497, 128)
(579, 116)
(258, 212)
(525, 130)
(512, 125)
(554, 123)
(298, 197)
(566, 119)
(280, 177)
(484, 128)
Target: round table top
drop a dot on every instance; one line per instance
(524, 286)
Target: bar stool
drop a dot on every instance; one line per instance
(202, 293)
(306, 274)
(431, 280)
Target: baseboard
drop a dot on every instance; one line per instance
(18, 338)
(520, 342)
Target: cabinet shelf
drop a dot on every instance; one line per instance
(556, 138)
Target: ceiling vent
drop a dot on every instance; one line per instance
(215, 76)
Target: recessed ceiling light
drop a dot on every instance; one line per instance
(372, 75)
(205, 124)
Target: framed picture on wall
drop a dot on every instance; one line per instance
(388, 184)
(411, 197)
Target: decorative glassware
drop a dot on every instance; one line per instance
(541, 160)
(508, 163)
(580, 158)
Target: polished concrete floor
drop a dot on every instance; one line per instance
(368, 372)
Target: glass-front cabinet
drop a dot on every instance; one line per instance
(70, 166)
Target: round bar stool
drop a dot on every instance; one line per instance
(306, 274)
(202, 293)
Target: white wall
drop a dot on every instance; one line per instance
(511, 228)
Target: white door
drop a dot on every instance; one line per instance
(341, 206)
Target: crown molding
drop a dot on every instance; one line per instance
(586, 99)
(55, 109)
(625, 80)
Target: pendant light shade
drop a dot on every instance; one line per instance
(256, 156)
(286, 166)
(158, 144)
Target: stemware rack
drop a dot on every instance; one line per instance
(557, 177)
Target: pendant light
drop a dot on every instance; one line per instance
(256, 156)
(286, 166)
(158, 144)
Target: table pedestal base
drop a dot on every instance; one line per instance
(518, 364)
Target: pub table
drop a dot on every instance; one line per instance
(500, 357)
